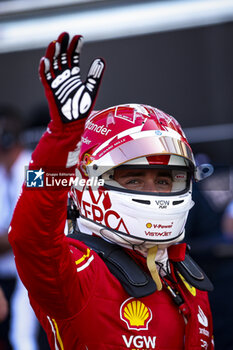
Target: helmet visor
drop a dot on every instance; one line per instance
(155, 179)
(142, 145)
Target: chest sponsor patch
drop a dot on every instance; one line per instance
(139, 342)
(135, 314)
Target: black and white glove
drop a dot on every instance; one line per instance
(69, 98)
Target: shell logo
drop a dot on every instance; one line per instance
(86, 161)
(135, 314)
(148, 225)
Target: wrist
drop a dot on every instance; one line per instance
(58, 146)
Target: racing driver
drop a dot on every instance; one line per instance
(120, 278)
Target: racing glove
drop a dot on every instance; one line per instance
(69, 98)
(70, 101)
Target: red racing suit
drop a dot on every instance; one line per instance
(77, 300)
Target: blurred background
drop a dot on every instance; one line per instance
(175, 55)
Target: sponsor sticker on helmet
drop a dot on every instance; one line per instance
(158, 230)
(97, 207)
(99, 129)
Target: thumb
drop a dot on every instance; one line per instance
(95, 75)
(96, 69)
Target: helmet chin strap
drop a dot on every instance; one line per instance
(152, 266)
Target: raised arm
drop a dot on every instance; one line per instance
(36, 233)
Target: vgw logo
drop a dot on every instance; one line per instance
(162, 204)
(35, 178)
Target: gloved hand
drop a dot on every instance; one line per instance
(68, 97)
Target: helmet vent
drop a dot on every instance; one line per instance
(141, 201)
(177, 202)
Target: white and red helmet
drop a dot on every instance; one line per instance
(134, 135)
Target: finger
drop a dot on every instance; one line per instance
(74, 52)
(50, 56)
(53, 52)
(44, 70)
(63, 41)
(56, 56)
(50, 50)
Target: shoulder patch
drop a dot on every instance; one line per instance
(193, 274)
(83, 259)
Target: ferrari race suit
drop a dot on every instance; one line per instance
(78, 301)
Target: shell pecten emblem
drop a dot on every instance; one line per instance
(135, 314)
